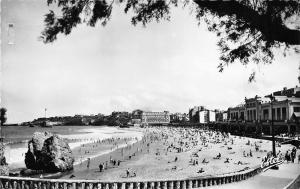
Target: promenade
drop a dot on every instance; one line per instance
(270, 179)
(274, 182)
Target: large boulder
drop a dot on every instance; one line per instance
(33, 157)
(4, 171)
(49, 152)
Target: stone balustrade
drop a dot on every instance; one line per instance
(36, 183)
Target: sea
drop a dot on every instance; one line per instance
(16, 139)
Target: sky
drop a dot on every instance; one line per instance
(171, 65)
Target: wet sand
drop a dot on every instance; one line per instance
(81, 171)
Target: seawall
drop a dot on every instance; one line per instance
(189, 183)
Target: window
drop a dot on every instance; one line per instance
(284, 113)
(278, 114)
(254, 114)
(242, 115)
(265, 114)
(296, 109)
(248, 117)
(273, 113)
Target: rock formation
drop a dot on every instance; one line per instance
(48, 152)
(3, 165)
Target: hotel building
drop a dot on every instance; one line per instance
(284, 108)
(155, 118)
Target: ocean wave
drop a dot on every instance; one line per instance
(15, 156)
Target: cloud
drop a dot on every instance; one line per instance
(165, 66)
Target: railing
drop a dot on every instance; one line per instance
(35, 183)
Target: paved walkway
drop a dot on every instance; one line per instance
(271, 179)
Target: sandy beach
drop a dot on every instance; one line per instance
(165, 153)
(157, 153)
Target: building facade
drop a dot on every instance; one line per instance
(179, 117)
(283, 110)
(136, 116)
(194, 113)
(155, 118)
(236, 113)
(207, 116)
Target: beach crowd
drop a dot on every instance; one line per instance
(184, 150)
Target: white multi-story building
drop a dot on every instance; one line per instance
(155, 118)
(224, 116)
(207, 116)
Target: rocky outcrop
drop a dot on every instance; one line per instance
(49, 152)
(4, 171)
(3, 165)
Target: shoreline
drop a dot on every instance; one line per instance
(81, 169)
(86, 136)
(103, 152)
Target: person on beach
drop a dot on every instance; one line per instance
(127, 173)
(205, 161)
(227, 160)
(256, 147)
(293, 154)
(72, 176)
(100, 167)
(200, 170)
(88, 163)
(287, 156)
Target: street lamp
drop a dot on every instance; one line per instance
(272, 98)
